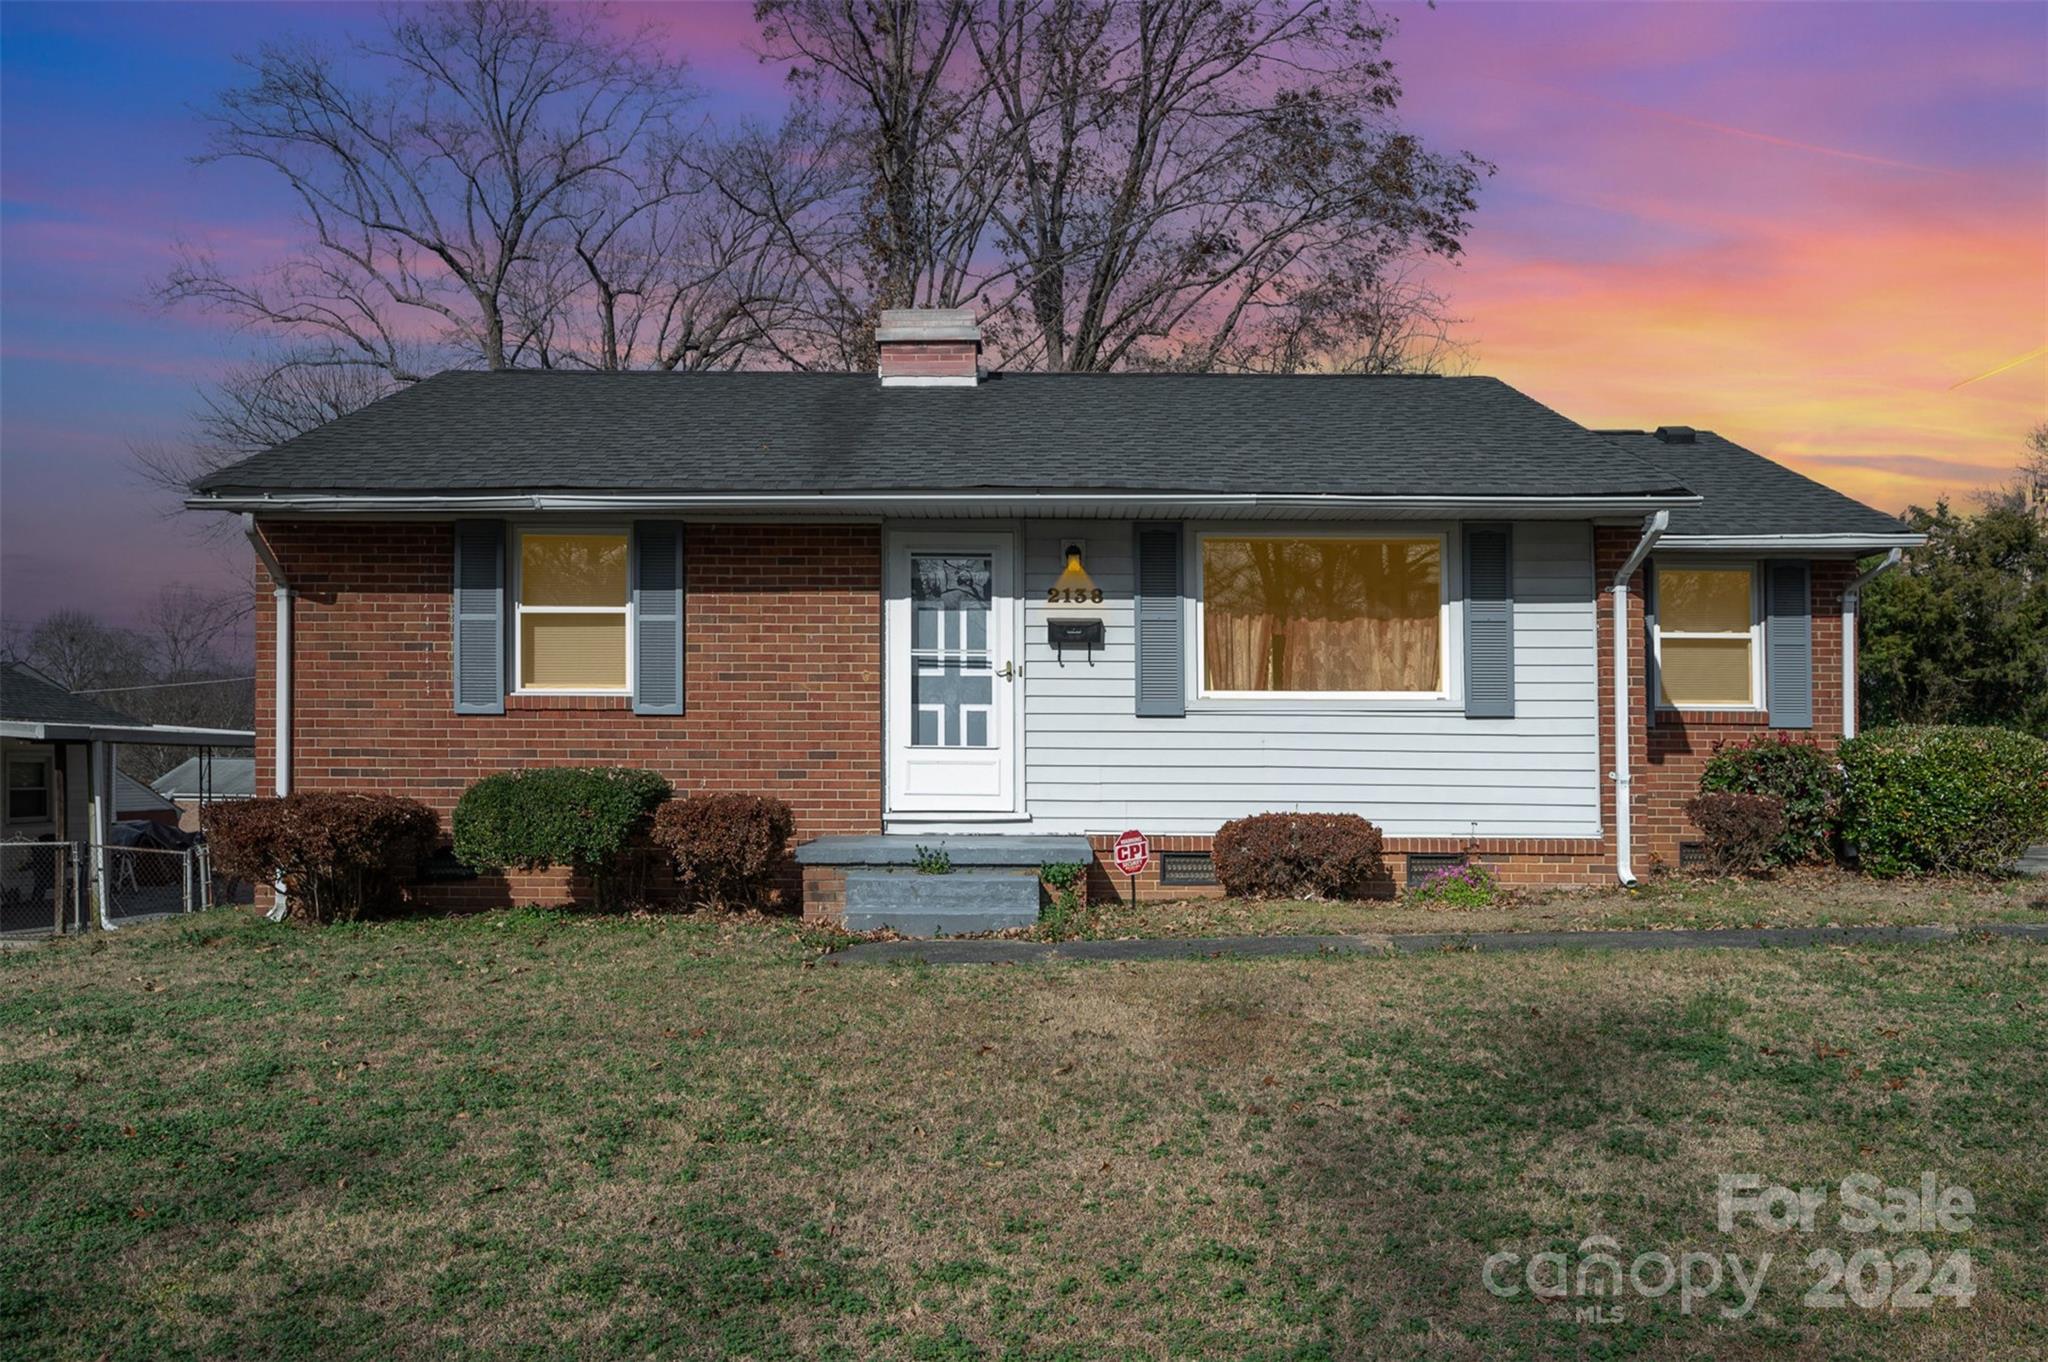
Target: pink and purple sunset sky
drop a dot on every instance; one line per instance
(1820, 229)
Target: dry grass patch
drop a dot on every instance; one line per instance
(553, 1135)
(1804, 898)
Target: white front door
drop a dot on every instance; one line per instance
(952, 675)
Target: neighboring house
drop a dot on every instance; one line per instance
(135, 802)
(62, 784)
(198, 781)
(936, 601)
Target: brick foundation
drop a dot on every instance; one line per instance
(783, 676)
(1523, 863)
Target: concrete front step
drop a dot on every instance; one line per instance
(965, 901)
(965, 850)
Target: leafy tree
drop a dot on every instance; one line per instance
(1959, 634)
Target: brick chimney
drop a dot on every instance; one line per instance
(928, 347)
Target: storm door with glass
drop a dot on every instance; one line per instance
(952, 681)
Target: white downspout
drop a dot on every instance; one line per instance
(281, 746)
(1624, 868)
(1852, 596)
(99, 761)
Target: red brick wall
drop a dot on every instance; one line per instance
(1679, 744)
(783, 679)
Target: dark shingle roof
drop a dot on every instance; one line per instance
(1746, 493)
(533, 431)
(26, 697)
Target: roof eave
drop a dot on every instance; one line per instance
(900, 501)
(165, 735)
(1856, 542)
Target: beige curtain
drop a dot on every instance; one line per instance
(1321, 614)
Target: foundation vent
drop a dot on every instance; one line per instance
(1186, 867)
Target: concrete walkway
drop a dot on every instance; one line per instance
(1002, 952)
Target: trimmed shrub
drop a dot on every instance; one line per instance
(1744, 832)
(1300, 855)
(1929, 800)
(340, 855)
(1795, 771)
(726, 847)
(584, 817)
(1458, 886)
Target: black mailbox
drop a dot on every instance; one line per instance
(1074, 633)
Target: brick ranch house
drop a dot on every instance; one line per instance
(1020, 610)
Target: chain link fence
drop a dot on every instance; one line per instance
(146, 882)
(42, 887)
(46, 887)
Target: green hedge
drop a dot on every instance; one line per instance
(1925, 800)
(583, 817)
(1796, 773)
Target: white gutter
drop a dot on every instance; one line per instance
(1787, 543)
(1624, 831)
(881, 503)
(1852, 595)
(281, 748)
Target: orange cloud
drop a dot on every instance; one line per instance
(1835, 352)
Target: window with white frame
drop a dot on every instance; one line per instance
(1707, 636)
(1323, 616)
(29, 781)
(571, 632)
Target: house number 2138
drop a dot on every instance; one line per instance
(1073, 595)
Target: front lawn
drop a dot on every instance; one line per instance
(1806, 898)
(556, 1136)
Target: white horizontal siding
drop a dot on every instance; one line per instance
(1090, 765)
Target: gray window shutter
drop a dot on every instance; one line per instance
(479, 623)
(1489, 622)
(1788, 644)
(657, 617)
(1156, 609)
